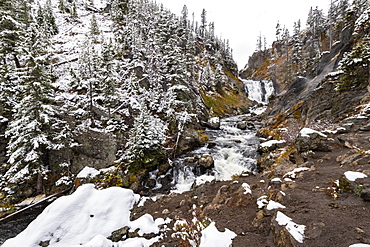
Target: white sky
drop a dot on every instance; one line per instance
(241, 21)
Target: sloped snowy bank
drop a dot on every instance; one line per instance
(86, 218)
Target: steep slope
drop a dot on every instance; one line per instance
(121, 83)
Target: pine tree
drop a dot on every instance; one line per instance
(94, 28)
(74, 13)
(61, 5)
(203, 23)
(259, 43)
(145, 141)
(34, 128)
(278, 31)
(184, 13)
(297, 48)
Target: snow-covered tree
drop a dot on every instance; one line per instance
(145, 141)
(297, 47)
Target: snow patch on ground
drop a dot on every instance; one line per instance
(352, 176)
(293, 174)
(88, 172)
(274, 205)
(297, 231)
(211, 237)
(247, 188)
(87, 218)
(306, 132)
(262, 201)
(270, 143)
(204, 179)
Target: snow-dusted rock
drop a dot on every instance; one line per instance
(213, 123)
(309, 139)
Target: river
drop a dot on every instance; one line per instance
(233, 150)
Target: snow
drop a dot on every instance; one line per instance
(306, 132)
(87, 218)
(204, 179)
(262, 201)
(352, 176)
(88, 172)
(214, 120)
(211, 237)
(272, 142)
(297, 231)
(293, 174)
(247, 188)
(274, 205)
(276, 180)
(359, 245)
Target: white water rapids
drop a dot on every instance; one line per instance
(234, 150)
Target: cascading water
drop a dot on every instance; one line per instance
(233, 151)
(259, 91)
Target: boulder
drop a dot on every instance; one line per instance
(242, 126)
(97, 150)
(365, 194)
(213, 123)
(313, 140)
(191, 139)
(206, 161)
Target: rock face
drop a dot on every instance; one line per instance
(96, 149)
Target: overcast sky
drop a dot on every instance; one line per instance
(241, 21)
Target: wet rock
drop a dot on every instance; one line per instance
(296, 157)
(163, 168)
(270, 146)
(365, 128)
(348, 158)
(213, 123)
(211, 144)
(283, 167)
(282, 237)
(240, 199)
(242, 126)
(206, 162)
(191, 139)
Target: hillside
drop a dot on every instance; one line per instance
(138, 94)
(122, 85)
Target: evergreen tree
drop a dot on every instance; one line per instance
(297, 47)
(203, 23)
(145, 141)
(74, 13)
(35, 127)
(184, 13)
(278, 31)
(94, 28)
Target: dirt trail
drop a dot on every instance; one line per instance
(329, 221)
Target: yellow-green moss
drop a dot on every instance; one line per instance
(203, 138)
(296, 109)
(225, 102)
(279, 120)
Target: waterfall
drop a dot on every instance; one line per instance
(259, 91)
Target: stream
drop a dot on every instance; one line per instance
(233, 152)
